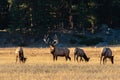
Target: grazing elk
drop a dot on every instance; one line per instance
(80, 53)
(57, 51)
(20, 55)
(106, 53)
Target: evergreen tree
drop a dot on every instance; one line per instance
(4, 14)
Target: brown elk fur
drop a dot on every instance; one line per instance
(57, 51)
(80, 53)
(106, 53)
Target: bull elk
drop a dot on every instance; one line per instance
(20, 55)
(106, 53)
(57, 51)
(80, 53)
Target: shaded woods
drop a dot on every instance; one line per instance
(41, 15)
(36, 17)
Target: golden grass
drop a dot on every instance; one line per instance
(40, 66)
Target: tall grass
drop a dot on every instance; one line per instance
(40, 66)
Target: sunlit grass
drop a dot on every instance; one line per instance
(40, 66)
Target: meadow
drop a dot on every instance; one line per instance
(40, 65)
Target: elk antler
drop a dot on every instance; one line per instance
(50, 40)
(46, 39)
(55, 41)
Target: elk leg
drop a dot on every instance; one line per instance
(77, 58)
(53, 58)
(104, 60)
(56, 58)
(66, 58)
(81, 59)
(69, 58)
(20, 60)
(112, 59)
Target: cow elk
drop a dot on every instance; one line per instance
(56, 51)
(106, 53)
(20, 55)
(80, 53)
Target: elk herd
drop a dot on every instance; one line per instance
(65, 52)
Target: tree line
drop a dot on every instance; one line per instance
(39, 16)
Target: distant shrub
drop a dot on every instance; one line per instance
(79, 36)
(73, 41)
(22, 44)
(92, 41)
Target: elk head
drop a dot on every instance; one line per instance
(51, 41)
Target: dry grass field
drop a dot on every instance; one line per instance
(40, 66)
